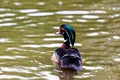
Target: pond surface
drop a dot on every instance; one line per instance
(27, 38)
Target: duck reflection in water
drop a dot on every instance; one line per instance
(67, 59)
(67, 74)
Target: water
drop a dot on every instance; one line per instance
(27, 38)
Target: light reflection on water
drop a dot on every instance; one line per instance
(7, 14)
(92, 68)
(47, 75)
(6, 69)
(28, 10)
(40, 14)
(47, 45)
(5, 40)
(12, 57)
(27, 38)
(97, 33)
(7, 24)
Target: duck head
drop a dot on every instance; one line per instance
(69, 35)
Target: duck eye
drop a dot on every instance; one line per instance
(62, 29)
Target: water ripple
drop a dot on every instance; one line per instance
(7, 24)
(7, 14)
(97, 33)
(93, 34)
(47, 75)
(12, 77)
(32, 35)
(41, 3)
(81, 20)
(90, 16)
(117, 59)
(116, 37)
(72, 12)
(66, 20)
(98, 12)
(86, 75)
(6, 19)
(17, 77)
(50, 34)
(82, 12)
(12, 57)
(92, 68)
(17, 3)
(46, 45)
(101, 20)
(115, 15)
(14, 69)
(28, 10)
(41, 14)
(21, 17)
(5, 40)
(4, 9)
(14, 48)
(53, 39)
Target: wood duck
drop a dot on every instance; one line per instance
(67, 56)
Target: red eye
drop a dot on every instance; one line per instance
(62, 29)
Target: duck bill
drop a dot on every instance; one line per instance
(58, 32)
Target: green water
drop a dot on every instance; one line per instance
(27, 38)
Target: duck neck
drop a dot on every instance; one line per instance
(66, 44)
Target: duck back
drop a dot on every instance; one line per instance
(69, 58)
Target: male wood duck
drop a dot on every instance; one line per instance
(67, 56)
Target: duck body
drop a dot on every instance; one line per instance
(67, 57)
